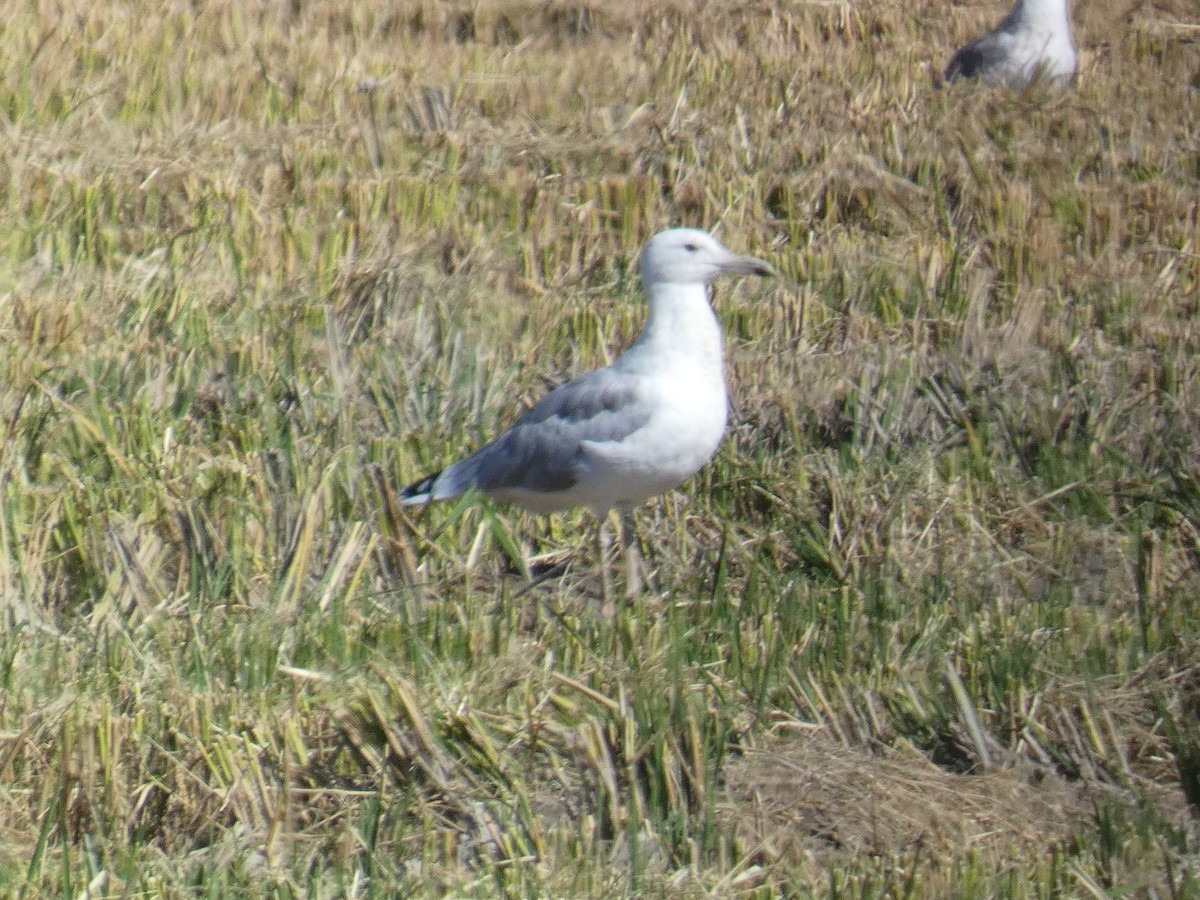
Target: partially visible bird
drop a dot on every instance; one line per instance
(1033, 41)
(619, 435)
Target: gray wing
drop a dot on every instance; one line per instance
(982, 57)
(543, 452)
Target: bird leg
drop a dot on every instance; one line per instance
(608, 608)
(633, 555)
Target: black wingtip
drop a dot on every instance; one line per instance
(419, 491)
(960, 67)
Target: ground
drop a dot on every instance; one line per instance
(926, 626)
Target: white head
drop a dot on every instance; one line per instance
(691, 256)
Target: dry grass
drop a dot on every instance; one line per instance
(926, 626)
(810, 799)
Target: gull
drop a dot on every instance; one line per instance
(617, 436)
(1033, 41)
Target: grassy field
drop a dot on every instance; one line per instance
(928, 624)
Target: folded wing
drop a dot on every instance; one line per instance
(984, 56)
(543, 452)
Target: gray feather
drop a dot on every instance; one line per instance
(544, 450)
(981, 57)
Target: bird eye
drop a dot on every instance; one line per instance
(690, 248)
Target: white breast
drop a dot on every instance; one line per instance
(681, 436)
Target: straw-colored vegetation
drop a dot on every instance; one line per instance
(927, 626)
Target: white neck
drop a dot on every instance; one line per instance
(681, 332)
(1040, 15)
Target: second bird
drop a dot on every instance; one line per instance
(1033, 41)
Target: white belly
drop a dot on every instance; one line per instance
(674, 444)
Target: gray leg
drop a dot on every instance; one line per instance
(604, 542)
(632, 554)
